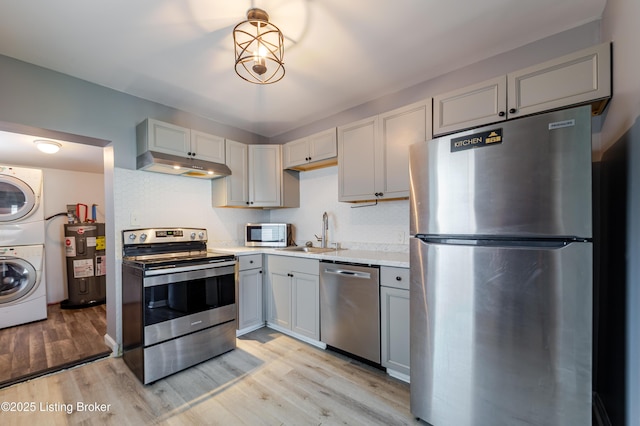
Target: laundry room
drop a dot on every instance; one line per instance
(52, 283)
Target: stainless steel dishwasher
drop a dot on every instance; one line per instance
(350, 308)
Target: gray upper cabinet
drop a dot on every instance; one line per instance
(579, 78)
(373, 153)
(154, 135)
(311, 152)
(257, 179)
(470, 106)
(582, 77)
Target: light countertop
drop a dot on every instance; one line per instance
(382, 258)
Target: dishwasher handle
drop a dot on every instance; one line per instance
(349, 273)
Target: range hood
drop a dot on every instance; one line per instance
(160, 162)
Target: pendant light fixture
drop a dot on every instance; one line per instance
(259, 48)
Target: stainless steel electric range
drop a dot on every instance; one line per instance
(178, 301)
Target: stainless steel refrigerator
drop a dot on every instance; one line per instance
(501, 274)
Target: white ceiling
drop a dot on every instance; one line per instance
(20, 150)
(339, 54)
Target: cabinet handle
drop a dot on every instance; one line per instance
(309, 158)
(398, 278)
(289, 275)
(501, 114)
(247, 203)
(188, 154)
(512, 111)
(251, 261)
(260, 271)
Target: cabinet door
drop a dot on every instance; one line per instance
(306, 305)
(250, 298)
(323, 145)
(266, 176)
(394, 318)
(470, 106)
(168, 138)
(236, 185)
(279, 299)
(207, 147)
(573, 79)
(357, 160)
(295, 153)
(399, 129)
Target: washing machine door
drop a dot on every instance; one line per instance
(17, 278)
(17, 199)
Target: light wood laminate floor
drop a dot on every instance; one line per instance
(270, 379)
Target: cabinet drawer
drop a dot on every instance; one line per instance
(249, 261)
(294, 264)
(394, 277)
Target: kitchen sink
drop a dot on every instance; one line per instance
(308, 249)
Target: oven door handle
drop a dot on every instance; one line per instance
(170, 269)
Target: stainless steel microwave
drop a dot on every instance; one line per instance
(268, 235)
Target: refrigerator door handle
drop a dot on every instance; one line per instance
(551, 243)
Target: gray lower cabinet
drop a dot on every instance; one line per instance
(250, 294)
(394, 320)
(293, 296)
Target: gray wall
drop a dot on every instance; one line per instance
(41, 98)
(548, 48)
(621, 126)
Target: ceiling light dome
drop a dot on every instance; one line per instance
(259, 49)
(48, 147)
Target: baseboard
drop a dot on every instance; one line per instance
(305, 339)
(600, 417)
(398, 375)
(246, 330)
(110, 342)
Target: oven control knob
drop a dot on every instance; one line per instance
(132, 237)
(201, 235)
(143, 237)
(193, 235)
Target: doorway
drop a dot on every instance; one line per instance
(76, 174)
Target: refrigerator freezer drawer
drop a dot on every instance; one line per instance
(501, 336)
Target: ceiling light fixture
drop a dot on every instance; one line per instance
(259, 47)
(48, 147)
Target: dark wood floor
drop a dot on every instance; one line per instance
(66, 337)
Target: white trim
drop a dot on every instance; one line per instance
(305, 339)
(249, 329)
(115, 348)
(398, 375)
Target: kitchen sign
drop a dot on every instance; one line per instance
(477, 140)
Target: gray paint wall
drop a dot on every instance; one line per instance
(539, 51)
(41, 98)
(622, 126)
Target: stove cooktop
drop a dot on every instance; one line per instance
(179, 258)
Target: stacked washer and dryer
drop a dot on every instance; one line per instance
(23, 290)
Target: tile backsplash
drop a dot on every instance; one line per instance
(147, 199)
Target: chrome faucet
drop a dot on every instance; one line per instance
(325, 227)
